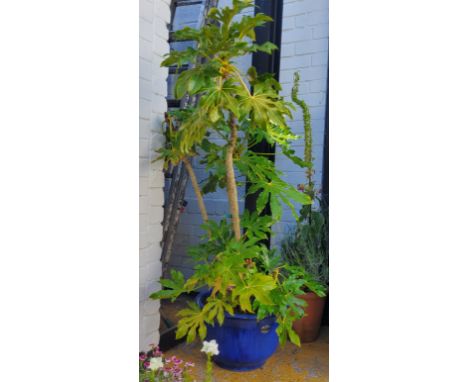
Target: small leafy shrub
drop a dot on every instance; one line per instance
(307, 246)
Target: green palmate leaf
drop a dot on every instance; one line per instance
(180, 58)
(271, 261)
(211, 183)
(276, 210)
(256, 226)
(216, 308)
(202, 331)
(262, 201)
(195, 80)
(174, 286)
(246, 26)
(256, 287)
(290, 154)
(293, 337)
(319, 289)
(277, 190)
(267, 47)
(298, 196)
(221, 97)
(181, 86)
(282, 333)
(164, 293)
(187, 33)
(192, 319)
(192, 131)
(277, 132)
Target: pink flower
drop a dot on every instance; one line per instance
(177, 361)
(146, 364)
(189, 364)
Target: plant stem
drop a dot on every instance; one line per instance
(242, 82)
(231, 185)
(307, 129)
(209, 369)
(196, 188)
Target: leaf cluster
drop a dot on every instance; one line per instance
(243, 276)
(307, 246)
(224, 93)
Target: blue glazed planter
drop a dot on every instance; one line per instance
(244, 343)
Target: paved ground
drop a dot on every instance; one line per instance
(288, 364)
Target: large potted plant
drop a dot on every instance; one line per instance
(307, 245)
(248, 303)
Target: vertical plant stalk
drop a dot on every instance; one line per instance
(307, 131)
(196, 188)
(231, 185)
(209, 369)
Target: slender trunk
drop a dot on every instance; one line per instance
(231, 185)
(196, 188)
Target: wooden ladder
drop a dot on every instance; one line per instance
(177, 177)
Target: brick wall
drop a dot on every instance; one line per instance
(154, 16)
(304, 48)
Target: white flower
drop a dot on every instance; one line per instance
(156, 363)
(210, 347)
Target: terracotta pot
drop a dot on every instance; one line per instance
(308, 327)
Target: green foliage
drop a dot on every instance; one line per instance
(307, 246)
(192, 321)
(269, 184)
(221, 88)
(241, 272)
(174, 286)
(243, 276)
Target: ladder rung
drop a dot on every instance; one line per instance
(176, 70)
(181, 3)
(171, 103)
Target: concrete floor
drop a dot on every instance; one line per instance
(288, 364)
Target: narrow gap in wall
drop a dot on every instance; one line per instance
(325, 190)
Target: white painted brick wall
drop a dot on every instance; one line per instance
(154, 16)
(304, 48)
